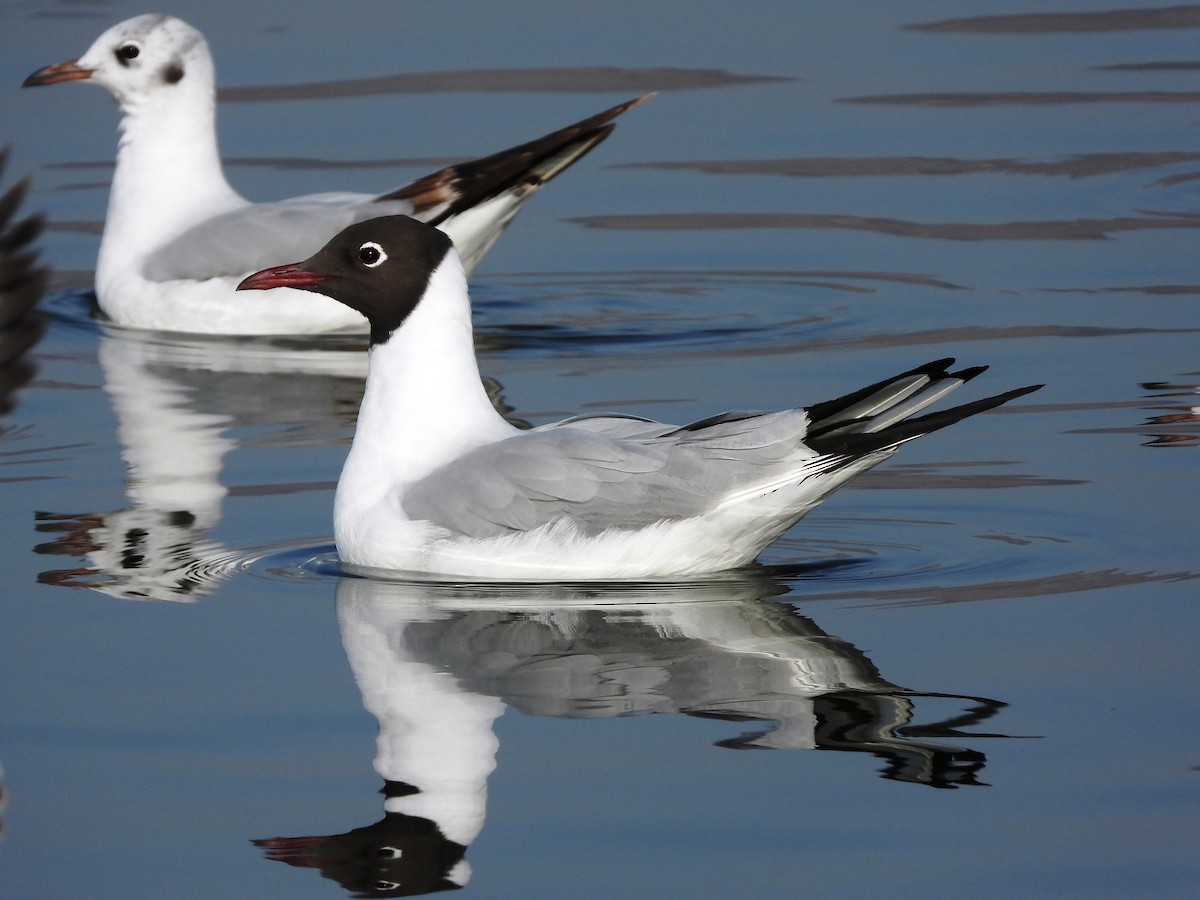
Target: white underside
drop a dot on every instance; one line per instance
(212, 306)
(178, 238)
(728, 537)
(555, 551)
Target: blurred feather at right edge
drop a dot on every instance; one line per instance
(22, 283)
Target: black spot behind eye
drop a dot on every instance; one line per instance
(127, 52)
(172, 73)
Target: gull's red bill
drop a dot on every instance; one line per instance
(290, 275)
(58, 73)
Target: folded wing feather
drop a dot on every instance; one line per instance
(576, 471)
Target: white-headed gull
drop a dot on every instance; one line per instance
(178, 238)
(437, 482)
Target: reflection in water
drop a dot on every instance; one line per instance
(1077, 582)
(438, 663)
(576, 79)
(1024, 98)
(1178, 424)
(1186, 66)
(1108, 21)
(1175, 424)
(1046, 230)
(1081, 165)
(1069, 22)
(178, 403)
(955, 475)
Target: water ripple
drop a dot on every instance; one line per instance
(554, 80)
(1068, 22)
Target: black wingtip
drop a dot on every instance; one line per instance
(467, 184)
(1021, 392)
(827, 410)
(853, 445)
(967, 374)
(930, 422)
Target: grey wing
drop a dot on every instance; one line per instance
(259, 235)
(603, 481)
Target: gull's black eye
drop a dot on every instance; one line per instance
(371, 255)
(126, 52)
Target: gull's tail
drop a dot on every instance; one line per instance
(473, 201)
(881, 415)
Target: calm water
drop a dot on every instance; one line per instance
(996, 631)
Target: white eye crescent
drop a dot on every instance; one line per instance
(371, 255)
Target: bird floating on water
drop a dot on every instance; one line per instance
(437, 482)
(177, 238)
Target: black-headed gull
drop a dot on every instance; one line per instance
(437, 482)
(178, 238)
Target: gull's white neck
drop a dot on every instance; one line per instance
(168, 176)
(174, 451)
(424, 403)
(433, 734)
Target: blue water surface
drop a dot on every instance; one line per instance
(991, 636)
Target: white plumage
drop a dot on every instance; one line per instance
(177, 238)
(438, 482)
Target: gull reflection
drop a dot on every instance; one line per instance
(182, 403)
(1178, 423)
(177, 404)
(437, 664)
(1175, 421)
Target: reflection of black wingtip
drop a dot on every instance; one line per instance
(880, 724)
(946, 769)
(872, 723)
(742, 742)
(22, 281)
